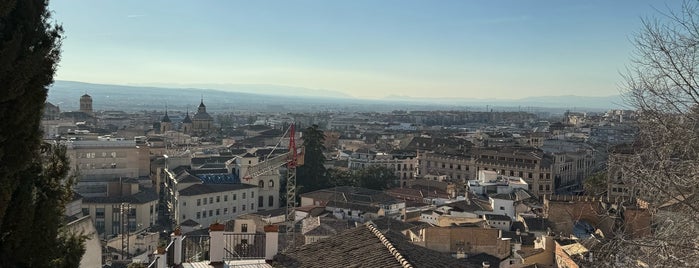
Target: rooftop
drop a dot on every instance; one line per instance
(199, 189)
(366, 246)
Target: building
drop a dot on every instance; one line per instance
(202, 122)
(368, 246)
(405, 166)
(490, 182)
(86, 104)
(187, 124)
(51, 112)
(165, 123)
(354, 202)
(104, 161)
(111, 215)
(209, 203)
(210, 189)
(470, 240)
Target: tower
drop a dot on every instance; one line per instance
(165, 123)
(187, 124)
(86, 104)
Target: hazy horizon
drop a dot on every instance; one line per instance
(361, 49)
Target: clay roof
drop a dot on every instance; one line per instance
(366, 246)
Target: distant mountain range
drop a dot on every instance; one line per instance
(571, 102)
(295, 99)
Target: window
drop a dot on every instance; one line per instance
(218, 212)
(225, 198)
(204, 201)
(198, 202)
(86, 211)
(271, 201)
(260, 201)
(252, 194)
(243, 195)
(211, 200)
(548, 187)
(211, 212)
(225, 211)
(244, 227)
(99, 225)
(271, 183)
(541, 187)
(184, 203)
(502, 208)
(234, 196)
(198, 215)
(252, 206)
(184, 217)
(235, 209)
(261, 184)
(99, 212)
(218, 198)
(243, 207)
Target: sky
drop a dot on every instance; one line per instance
(362, 48)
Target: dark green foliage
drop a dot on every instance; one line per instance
(376, 177)
(338, 177)
(34, 181)
(312, 175)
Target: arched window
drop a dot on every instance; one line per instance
(271, 183)
(261, 184)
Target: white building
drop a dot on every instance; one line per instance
(490, 182)
(210, 203)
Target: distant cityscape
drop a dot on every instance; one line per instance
(469, 188)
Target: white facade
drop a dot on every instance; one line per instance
(503, 207)
(490, 182)
(220, 205)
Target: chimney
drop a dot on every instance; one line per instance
(271, 241)
(216, 244)
(176, 237)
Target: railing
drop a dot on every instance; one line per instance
(170, 253)
(243, 246)
(195, 248)
(154, 264)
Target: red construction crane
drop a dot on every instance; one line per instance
(292, 159)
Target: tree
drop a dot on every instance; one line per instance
(377, 177)
(34, 181)
(312, 175)
(338, 177)
(662, 85)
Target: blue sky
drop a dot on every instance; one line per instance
(363, 48)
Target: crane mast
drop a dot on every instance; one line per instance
(291, 187)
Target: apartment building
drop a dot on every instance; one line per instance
(134, 211)
(104, 160)
(530, 164)
(404, 165)
(209, 203)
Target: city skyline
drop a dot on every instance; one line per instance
(363, 49)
